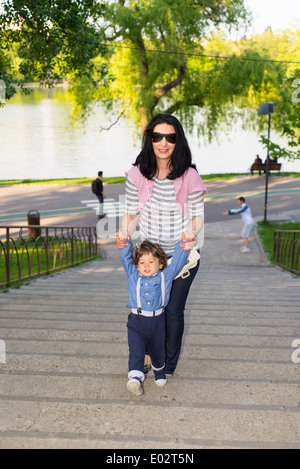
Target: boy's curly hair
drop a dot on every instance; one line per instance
(147, 247)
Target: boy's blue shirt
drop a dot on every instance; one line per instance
(150, 291)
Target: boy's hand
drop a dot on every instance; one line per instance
(121, 239)
(225, 212)
(188, 240)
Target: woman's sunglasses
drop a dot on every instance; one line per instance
(157, 137)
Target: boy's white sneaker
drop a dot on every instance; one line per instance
(134, 385)
(161, 382)
(245, 250)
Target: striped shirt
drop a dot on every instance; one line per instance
(161, 220)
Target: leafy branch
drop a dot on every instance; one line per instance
(276, 151)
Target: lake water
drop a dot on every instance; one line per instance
(37, 140)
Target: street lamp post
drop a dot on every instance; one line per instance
(267, 108)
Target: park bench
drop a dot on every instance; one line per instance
(262, 167)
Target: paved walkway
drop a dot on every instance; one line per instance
(64, 381)
(64, 204)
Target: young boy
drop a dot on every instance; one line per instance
(149, 285)
(248, 221)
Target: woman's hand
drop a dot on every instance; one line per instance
(121, 239)
(188, 240)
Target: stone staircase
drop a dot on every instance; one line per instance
(64, 381)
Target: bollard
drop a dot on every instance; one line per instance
(33, 218)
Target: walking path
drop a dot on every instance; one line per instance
(64, 381)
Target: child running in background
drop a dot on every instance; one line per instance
(248, 221)
(149, 286)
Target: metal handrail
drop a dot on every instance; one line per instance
(286, 250)
(33, 250)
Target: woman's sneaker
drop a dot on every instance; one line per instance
(134, 385)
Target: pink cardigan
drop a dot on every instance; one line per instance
(188, 183)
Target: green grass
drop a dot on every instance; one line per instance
(31, 253)
(111, 180)
(229, 176)
(120, 180)
(266, 230)
(221, 176)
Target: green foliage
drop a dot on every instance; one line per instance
(276, 151)
(54, 38)
(287, 117)
(7, 90)
(158, 65)
(153, 69)
(154, 61)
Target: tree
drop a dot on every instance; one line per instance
(152, 42)
(55, 38)
(287, 122)
(147, 56)
(157, 60)
(7, 90)
(285, 46)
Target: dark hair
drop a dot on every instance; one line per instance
(100, 173)
(147, 247)
(181, 158)
(242, 199)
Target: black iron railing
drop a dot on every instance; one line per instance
(30, 251)
(287, 250)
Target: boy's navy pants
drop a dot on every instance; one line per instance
(146, 333)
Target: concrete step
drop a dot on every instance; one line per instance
(188, 393)
(112, 423)
(118, 347)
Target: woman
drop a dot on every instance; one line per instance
(164, 192)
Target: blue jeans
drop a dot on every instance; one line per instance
(100, 198)
(175, 318)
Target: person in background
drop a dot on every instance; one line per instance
(248, 221)
(258, 160)
(100, 194)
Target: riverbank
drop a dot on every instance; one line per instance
(121, 180)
